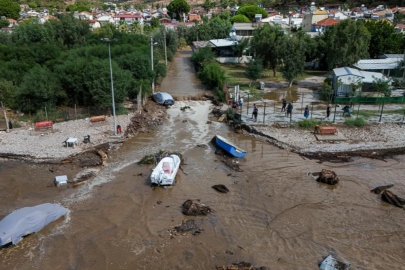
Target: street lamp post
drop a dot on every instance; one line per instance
(151, 56)
(108, 41)
(164, 34)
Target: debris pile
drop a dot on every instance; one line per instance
(185, 108)
(242, 266)
(155, 158)
(191, 208)
(191, 225)
(144, 121)
(328, 177)
(221, 188)
(330, 263)
(388, 196)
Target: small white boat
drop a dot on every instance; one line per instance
(166, 170)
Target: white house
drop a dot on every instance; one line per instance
(129, 18)
(338, 15)
(84, 15)
(105, 19)
(344, 78)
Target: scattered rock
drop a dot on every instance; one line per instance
(160, 250)
(209, 122)
(159, 202)
(185, 121)
(330, 263)
(202, 145)
(328, 177)
(191, 208)
(221, 188)
(229, 252)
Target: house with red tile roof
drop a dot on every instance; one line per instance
(192, 17)
(324, 24)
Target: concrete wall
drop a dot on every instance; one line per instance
(233, 60)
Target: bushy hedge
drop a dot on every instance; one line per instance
(209, 71)
(358, 122)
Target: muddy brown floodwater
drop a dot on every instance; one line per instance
(275, 215)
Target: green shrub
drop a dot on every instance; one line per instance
(358, 122)
(308, 123)
(212, 75)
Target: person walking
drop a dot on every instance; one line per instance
(306, 112)
(289, 109)
(255, 111)
(328, 111)
(346, 111)
(284, 105)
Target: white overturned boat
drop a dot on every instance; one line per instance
(166, 170)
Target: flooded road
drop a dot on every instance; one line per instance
(181, 79)
(275, 215)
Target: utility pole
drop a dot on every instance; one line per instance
(108, 41)
(164, 35)
(151, 57)
(5, 117)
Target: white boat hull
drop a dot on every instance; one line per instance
(165, 172)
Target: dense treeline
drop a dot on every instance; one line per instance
(62, 63)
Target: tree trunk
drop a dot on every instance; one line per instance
(290, 84)
(250, 83)
(274, 72)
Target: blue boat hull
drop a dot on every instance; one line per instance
(229, 148)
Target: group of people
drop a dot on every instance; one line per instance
(288, 110)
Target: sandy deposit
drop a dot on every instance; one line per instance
(48, 144)
(372, 136)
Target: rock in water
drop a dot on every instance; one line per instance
(328, 177)
(191, 208)
(221, 188)
(190, 225)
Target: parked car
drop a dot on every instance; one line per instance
(163, 98)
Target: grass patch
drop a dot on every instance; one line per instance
(235, 74)
(358, 122)
(308, 123)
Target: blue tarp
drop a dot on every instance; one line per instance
(28, 220)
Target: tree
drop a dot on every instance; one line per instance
(345, 43)
(4, 23)
(241, 47)
(39, 88)
(266, 42)
(220, 28)
(225, 15)
(177, 8)
(310, 46)
(68, 30)
(207, 5)
(254, 70)
(223, 3)
(32, 5)
(292, 55)
(202, 57)
(384, 38)
(9, 9)
(212, 75)
(250, 11)
(383, 86)
(239, 18)
(154, 23)
(7, 93)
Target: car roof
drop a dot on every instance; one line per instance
(165, 95)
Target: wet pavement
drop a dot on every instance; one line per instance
(274, 215)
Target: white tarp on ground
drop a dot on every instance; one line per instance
(28, 220)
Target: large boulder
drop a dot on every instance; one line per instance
(328, 177)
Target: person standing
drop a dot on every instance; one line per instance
(255, 111)
(284, 105)
(289, 109)
(306, 112)
(328, 111)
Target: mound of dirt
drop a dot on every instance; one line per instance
(328, 177)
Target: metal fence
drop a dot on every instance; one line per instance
(270, 106)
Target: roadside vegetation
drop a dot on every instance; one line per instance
(358, 122)
(62, 63)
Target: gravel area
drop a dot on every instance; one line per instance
(47, 144)
(372, 136)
